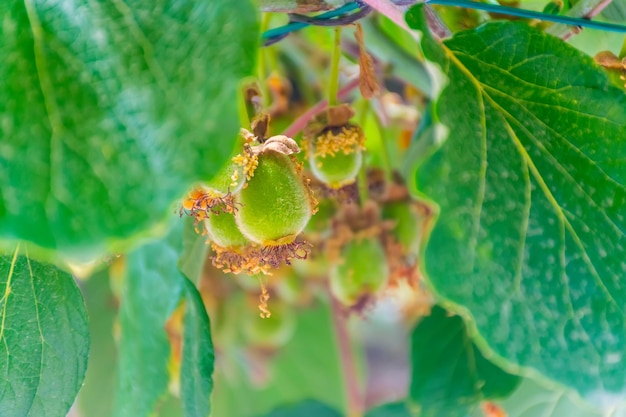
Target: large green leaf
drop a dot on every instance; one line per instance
(450, 376)
(44, 338)
(196, 372)
(530, 189)
(110, 110)
(151, 290)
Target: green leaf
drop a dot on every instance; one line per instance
(96, 396)
(399, 409)
(530, 187)
(615, 12)
(196, 372)
(308, 408)
(533, 399)
(151, 290)
(114, 108)
(450, 375)
(195, 250)
(44, 338)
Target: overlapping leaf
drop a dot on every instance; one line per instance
(110, 110)
(308, 408)
(44, 338)
(151, 290)
(196, 371)
(450, 375)
(399, 409)
(530, 186)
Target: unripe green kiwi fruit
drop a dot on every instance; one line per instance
(363, 271)
(275, 204)
(223, 231)
(336, 170)
(408, 224)
(272, 332)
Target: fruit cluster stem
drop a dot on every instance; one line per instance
(354, 397)
(261, 74)
(333, 82)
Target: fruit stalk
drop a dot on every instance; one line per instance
(333, 82)
(354, 397)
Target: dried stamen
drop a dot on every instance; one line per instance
(201, 202)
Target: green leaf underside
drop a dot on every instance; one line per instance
(532, 399)
(530, 236)
(151, 290)
(196, 372)
(450, 376)
(308, 408)
(44, 338)
(110, 110)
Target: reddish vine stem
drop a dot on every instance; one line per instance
(354, 397)
(389, 9)
(587, 9)
(307, 116)
(593, 12)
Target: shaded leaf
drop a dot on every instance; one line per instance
(151, 290)
(196, 373)
(615, 12)
(115, 108)
(399, 409)
(308, 408)
(450, 376)
(195, 250)
(44, 338)
(530, 187)
(534, 399)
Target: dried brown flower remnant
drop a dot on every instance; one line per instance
(346, 139)
(202, 201)
(610, 61)
(276, 255)
(263, 299)
(248, 161)
(236, 261)
(368, 84)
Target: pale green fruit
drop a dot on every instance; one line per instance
(275, 205)
(408, 224)
(336, 170)
(223, 231)
(362, 272)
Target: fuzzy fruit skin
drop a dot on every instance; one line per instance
(336, 170)
(408, 228)
(222, 182)
(223, 231)
(275, 205)
(364, 271)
